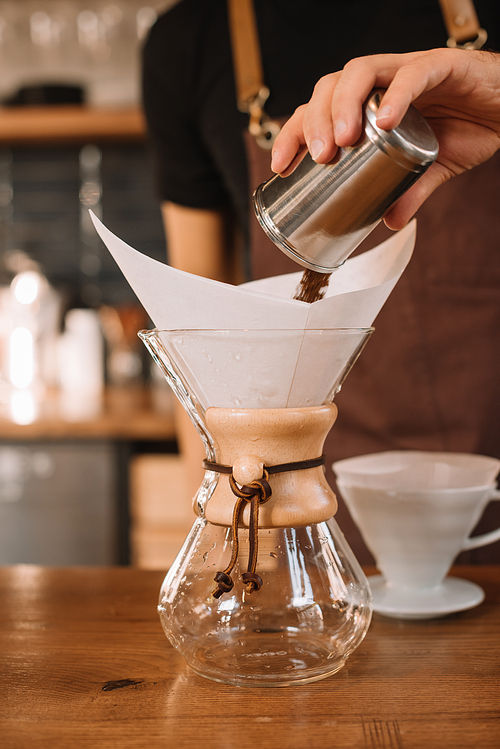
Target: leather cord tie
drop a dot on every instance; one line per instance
(257, 492)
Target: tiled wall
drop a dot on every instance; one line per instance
(44, 199)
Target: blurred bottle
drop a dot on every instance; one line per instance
(124, 359)
(81, 364)
(30, 325)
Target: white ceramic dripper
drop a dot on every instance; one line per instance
(416, 511)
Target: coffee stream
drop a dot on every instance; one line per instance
(312, 286)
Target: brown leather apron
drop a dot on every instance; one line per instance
(429, 378)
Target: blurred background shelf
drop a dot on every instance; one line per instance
(126, 414)
(105, 488)
(80, 490)
(68, 124)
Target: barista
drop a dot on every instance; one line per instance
(428, 378)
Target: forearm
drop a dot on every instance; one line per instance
(202, 241)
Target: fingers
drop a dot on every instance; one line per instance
(419, 74)
(289, 142)
(318, 124)
(404, 77)
(310, 126)
(354, 85)
(334, 115)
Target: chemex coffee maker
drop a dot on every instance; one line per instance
(265, 590)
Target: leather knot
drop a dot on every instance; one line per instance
(252, 581)
(257, 492)
(224, 584)
(260, 488)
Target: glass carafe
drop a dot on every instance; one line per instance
(265, 590)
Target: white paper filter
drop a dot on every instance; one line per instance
(287, 368)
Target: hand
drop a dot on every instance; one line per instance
(457, 91)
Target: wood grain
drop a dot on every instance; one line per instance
(84, 662)
(274, 436)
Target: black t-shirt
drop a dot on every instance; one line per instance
(188, 82)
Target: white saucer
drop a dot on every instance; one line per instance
(451, 596)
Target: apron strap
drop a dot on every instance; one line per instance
(462, 24)
(251, 91)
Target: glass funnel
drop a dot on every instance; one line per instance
(265, 590)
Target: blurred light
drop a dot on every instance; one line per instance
(90, 193)
(22, 364)
(90, 158)
(145, 18)
(23, 407)
(87, 20)
(90, 264)
(111, 15)
(41, 28)
(88, 28)
(6, 194)
(26, 287)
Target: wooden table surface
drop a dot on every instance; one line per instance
(84, 663)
